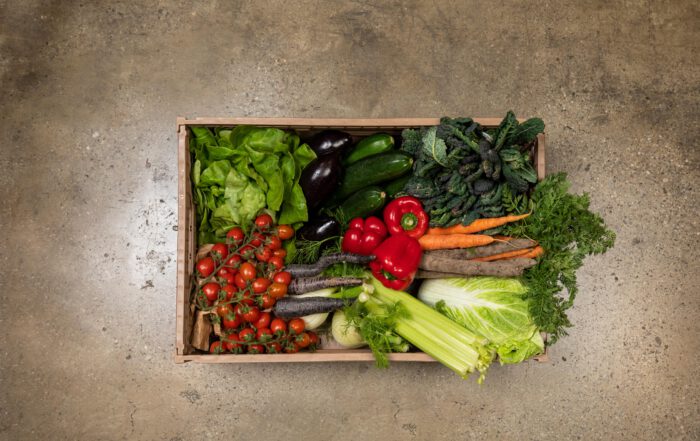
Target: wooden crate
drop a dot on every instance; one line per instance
(187, 247)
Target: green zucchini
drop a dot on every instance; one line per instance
(373, 170)
(396, 186)
(370, 146)
(363, 203)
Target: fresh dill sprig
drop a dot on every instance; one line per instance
(309, 251)
(377, 328)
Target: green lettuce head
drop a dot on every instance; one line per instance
(492, 307)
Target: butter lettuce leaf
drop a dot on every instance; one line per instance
(239, 172)
(294, 208)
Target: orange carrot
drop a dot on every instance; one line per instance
(478, 225)
(446, 241)
(502, 256)
(535, 252)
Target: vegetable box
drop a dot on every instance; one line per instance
(187, 246)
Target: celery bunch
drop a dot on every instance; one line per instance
(383, 314)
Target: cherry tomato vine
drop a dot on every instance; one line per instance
(238, 280)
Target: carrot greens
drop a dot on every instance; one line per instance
(567, 231)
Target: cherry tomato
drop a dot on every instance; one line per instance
(252, 315)
(264, 221)
(247, 251)
(247, 271)
(264, 254)
(291, 348)
(282, 277)
(227, 278)
(235, 235)
(246, 334)
(223, 271)
(263, 334)
(277, 262)
(205, 266)
(247, 299)
(211, 290)
(263, 321)
(278, 326)
(303, 340)
(234, 262)
(223, 310)
(231, 343)
(256, 349)
(260, 285)
(280, 253)
(273, 348)
(257, 239)
(314, 338)
(296, 326)
(274, 243)
(239, 281)
(267, 301)
(285, 232)
(219, 251)
(277, 290)
(230, 290)
(232, 321)
(216, 348)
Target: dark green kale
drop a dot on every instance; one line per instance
(458, 160)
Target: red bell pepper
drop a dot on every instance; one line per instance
(406, 215)
(396, 261)
(363, 236)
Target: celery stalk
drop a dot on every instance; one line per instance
(426, 340)
(455, 359)
(442, 335)
(433, 333)
(428, 313)
(432, 319)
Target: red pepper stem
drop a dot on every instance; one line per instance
(409, 221)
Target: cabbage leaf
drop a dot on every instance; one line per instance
(492, 307)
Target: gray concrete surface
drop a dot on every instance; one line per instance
(90, 93)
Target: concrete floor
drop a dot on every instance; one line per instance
(90, 93)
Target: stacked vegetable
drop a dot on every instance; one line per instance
(455, 216)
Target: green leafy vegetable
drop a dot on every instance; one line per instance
(382, 315)
(412, 141)
(462, 171)
(238, 172)
(568, 231)
(492, 307)
(294, 206)
(434, 147)
(525, 132)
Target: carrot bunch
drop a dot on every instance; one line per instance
(526, 253)
(477, 225)
(461, 236)
(466, 237)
